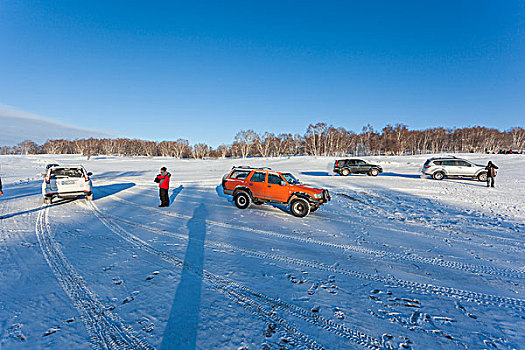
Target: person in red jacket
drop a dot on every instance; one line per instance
(163, 179)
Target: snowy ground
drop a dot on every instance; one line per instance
(396, 261)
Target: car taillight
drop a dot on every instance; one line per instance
(428, 166)
(48, 178)
(86, 177)
(336, 163)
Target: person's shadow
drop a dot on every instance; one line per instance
(183, 322)
(175, 193)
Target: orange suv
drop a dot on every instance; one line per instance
(262, 185)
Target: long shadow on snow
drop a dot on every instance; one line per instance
(175, 193)
(100, 192)
(117, 174)
(408, 176)
(181, 329)
(315, 173)
(59, 202)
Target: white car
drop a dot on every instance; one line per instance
(442, 167)
(66, 182)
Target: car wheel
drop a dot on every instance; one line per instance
(438, 175)
(47, 200)
(242, 200)
(482, 177)
(345, 172)
(89, 197)
(300, 207)
(373, 172)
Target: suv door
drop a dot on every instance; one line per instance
(277, 189)
(451, 167)
(257, 184)
(465, 168)
(351, 165)
(361, 166)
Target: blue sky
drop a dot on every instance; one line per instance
(205, 70)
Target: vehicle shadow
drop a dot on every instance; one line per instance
(408, 176)
(221, 194)
(466, 181)
(175, 193)
(182, 325)
(28, 211)
(316, 173)
(103, 191)
(114, 174)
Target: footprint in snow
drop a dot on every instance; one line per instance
(51, 331)
(339, 313)
(152, 276)
(16, 331)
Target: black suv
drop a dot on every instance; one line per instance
(346, 167)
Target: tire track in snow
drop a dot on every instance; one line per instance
(259, 304)
(377, 206)
(422, 288)
(106, 329)
(454, 265)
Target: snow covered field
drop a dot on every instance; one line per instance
(394, 261)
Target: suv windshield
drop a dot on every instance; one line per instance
(290, 179)
(67, 172)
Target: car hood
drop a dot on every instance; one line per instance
(307, 188)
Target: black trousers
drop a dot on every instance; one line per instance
(164, 199)
(490, 181)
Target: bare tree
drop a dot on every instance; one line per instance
(245, 139)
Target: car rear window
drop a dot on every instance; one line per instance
(240, 174)
(67, 172)
(438, 162)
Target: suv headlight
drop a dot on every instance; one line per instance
(318, 195)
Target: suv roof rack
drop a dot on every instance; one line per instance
(249, 167)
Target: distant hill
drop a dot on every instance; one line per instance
(15, 129)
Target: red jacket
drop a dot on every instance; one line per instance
(164, 180)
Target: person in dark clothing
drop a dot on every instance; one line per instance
(1, 193)
(163, 179)
(491, 173)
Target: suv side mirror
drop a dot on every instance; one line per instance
(90, 173)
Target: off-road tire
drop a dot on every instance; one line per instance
(373, 172)
(345, 172)
(300, 207)
(438, 175)
(242, 200)
(482, 177)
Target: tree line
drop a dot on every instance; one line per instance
(319, 139)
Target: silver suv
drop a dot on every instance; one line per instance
(442, 167)
(66, 182)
